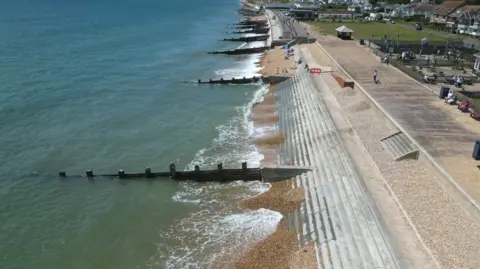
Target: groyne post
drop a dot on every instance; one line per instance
(244, 171)
(197, 172)
(220, 171)
(89, 174)
(121, 173)
(173, 171)
(148, 172)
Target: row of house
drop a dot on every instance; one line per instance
(457, 15)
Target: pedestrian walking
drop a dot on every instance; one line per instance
(375, 76)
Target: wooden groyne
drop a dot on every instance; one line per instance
(248, 38)
(244, 27)
(218, 175)
(248, 12)
(252, 31)
(241, 51)
(243, 80)
(252, 23)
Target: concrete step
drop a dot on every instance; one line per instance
(400, 146)
(337, 251)
(315, 204)
(334, 174)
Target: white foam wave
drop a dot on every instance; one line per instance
(247, 110)
(199, 243)
(219, 229)
(205, 194)
(182, 198)
(246, 67)
(263, 130)
(243, 45)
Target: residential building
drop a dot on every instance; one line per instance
(468, 21)
(441, 12)
(367, 7)
(337, 14)
(423, 12)
(462, 13)
(402, 11)
(476, 66)
(354, 8)
(389, 7)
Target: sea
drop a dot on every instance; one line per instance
(108, 85)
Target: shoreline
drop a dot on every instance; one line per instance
(280, 249)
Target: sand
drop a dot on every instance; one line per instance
(281, 198)
(264, 115)
(270, 140)
(281, 249)
(274, 252)
(302, 258)
(273, 60)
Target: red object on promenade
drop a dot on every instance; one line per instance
(315, 70)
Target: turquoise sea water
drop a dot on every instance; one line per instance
(101, 85)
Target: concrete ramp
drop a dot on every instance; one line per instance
(400, 147)
(277, 174)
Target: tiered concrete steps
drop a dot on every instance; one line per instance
(336, 215)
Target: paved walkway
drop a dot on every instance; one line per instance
(448, 234)
(416, 110)
(276, 30)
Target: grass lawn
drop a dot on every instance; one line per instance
(365, 30)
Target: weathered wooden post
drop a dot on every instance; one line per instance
(220, 172)
(173, 171)
(148, 172)
(244, 171)
(62, 174)
(121, 173)
(197, 172)
(89, 174)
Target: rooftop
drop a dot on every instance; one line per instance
(459, 12)
(424, 7)
(447, 7)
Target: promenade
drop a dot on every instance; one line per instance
(430, 204)
(276, 28)
(417, 110)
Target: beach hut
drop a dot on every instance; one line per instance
(344, 32)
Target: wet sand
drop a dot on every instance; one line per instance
(280, 250)
(264, 114)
